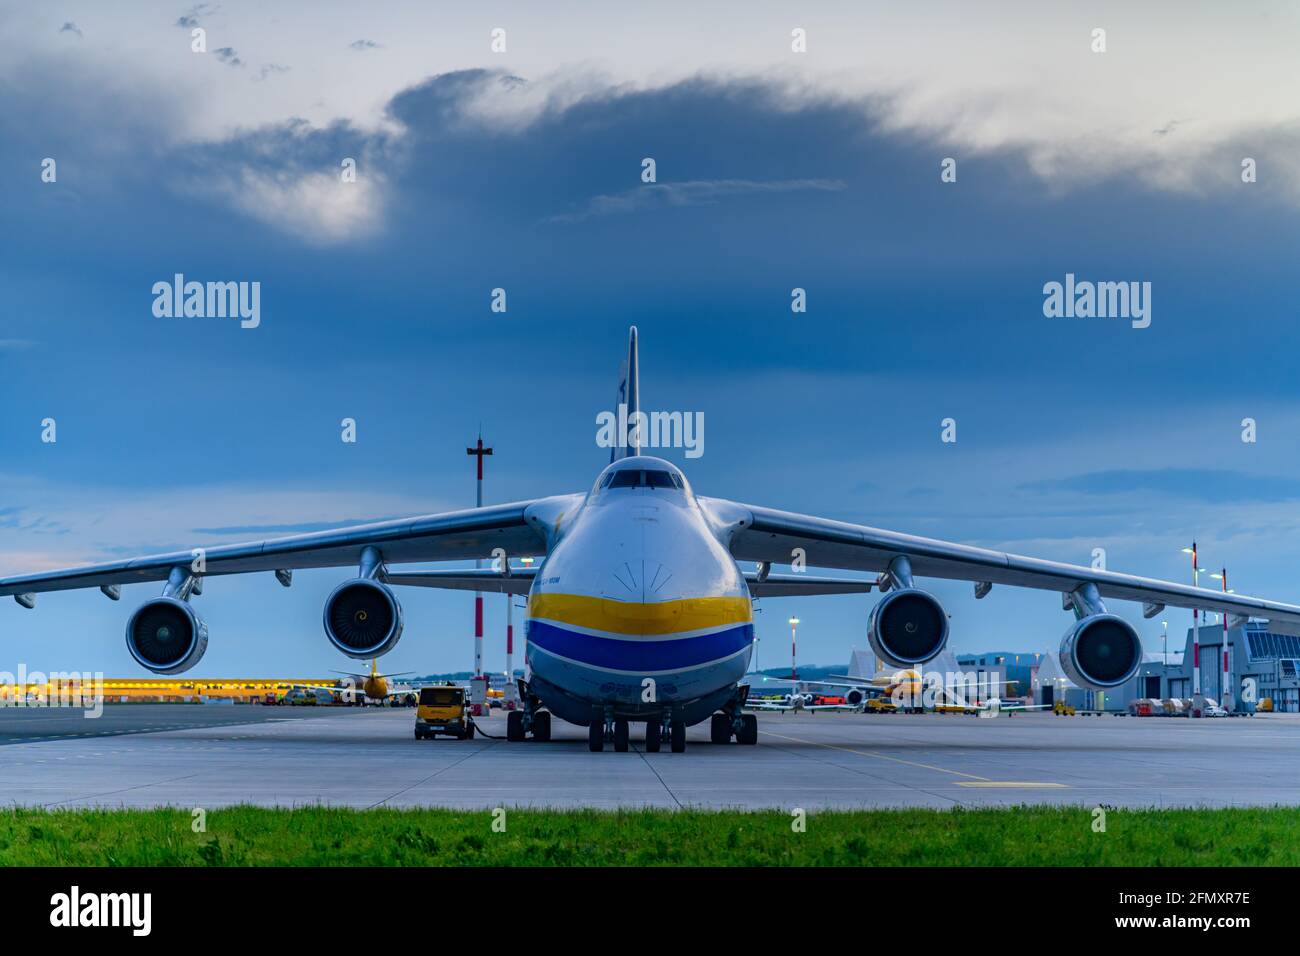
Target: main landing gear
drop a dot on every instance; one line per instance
(604, 727)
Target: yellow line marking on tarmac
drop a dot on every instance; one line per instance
(871, 753)
(1013, 784)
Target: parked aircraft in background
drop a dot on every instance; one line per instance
(995, 706)
(375, 686)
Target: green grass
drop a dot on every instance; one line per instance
(321, 836)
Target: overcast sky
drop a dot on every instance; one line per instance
(522, 170)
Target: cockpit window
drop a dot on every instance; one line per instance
(641, 478)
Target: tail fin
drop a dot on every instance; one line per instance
(629, 398)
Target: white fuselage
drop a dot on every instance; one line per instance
(638, 608)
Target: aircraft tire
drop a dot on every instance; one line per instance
(515, 726)
(748, 733)
(596, 735)
(620, 736)
(542, 726)
(652, 736)
(677, 736)
(720, 729)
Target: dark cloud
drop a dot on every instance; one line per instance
(70, 27)
(228, 55)
(693, 193)
(364, 45)
(191, 19)
(270, 69)
(466, 193)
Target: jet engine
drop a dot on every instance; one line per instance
(1100, 651)
(166, 636)
(363, 618)
(907, 627)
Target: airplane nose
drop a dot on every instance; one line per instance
(658, 579)
(644, 581)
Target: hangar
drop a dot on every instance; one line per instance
(1264, 664)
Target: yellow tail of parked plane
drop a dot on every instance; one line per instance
(375, 685)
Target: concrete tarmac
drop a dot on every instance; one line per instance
(212, 756)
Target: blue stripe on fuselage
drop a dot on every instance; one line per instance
(638, 656)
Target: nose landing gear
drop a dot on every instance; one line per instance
(677, 736)
(732, 721)
(748, 731)
(666, 726)
(605, 727)
(531, 719)
(720, 729)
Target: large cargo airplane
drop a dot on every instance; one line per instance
(639, 611)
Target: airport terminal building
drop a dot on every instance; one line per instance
(1004, 673)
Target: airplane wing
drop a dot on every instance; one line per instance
(519, 581)
(776, 537)
(519, 529)
(368, 676)
(865, 688)
(800, 585)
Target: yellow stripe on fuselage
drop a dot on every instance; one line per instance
(625, 617)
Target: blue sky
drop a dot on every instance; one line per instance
(924, 300)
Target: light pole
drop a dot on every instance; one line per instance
(1196, 630)
(1164, 687)
(1225, 690)
(478, 452)
(794, 671)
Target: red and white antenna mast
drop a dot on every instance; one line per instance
(479, 452)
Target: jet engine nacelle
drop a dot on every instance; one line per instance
(1100, 652)
(907, 627)
(855, 697)
(166, 636)
(363, 618)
